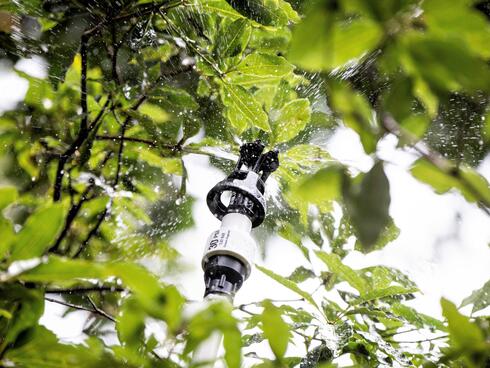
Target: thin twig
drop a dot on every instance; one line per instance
(274, 301)
(149, 9)
(120, 153)
(100, 311)
(79, 307)
(83, 290)
(92, 232)
(83, 83)
(306, 336)
(419, 341)
(384, 335)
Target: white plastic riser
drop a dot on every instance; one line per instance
(233, 238)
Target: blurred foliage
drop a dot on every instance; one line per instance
(94, 181)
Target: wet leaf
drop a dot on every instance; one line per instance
(260, 69)
(301, 274)
(479, 298)
(346, 273)
(289, 284)
(242, 110)
(291, 120)
(232, 39)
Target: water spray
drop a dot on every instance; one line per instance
(229, 252)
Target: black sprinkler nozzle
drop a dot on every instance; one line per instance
(245, 184)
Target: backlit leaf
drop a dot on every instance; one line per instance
(275, 329)
(39, 232)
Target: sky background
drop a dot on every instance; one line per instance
(443, 245)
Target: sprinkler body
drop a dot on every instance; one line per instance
(229, 251)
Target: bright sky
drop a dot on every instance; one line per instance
(443, 245)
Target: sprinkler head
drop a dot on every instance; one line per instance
(245, 184)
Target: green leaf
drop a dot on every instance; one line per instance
(460, 20)
(154, 112)
(275, 329)
(169, 165)
(389, 234)
(39, 90)
(301, 159)
(130, 324)
(356, 114)
(242, 110)
(219, 7)
(346, 273)
(259, 69)
(173, 100)
(465, 335)
(472, 185)
(479, 298)
(445, 64)
(27, 306)
(399, 102)
(335, 43)
(41, 349)
(232, 39)
(291, 120)
(289, 284)
(367, 204)
(216, 317)
(415, 318)
(7, 196)
(385, 292)
(64, 42)
(323, 186)
(160, 302)
(301, 274)
(39, 232)
(162, 134)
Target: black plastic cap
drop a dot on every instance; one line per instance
(223, 275)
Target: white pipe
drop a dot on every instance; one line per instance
(206, 353)
(237, 221)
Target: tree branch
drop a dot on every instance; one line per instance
(127, 139)
(76, 144)
(72, 213)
